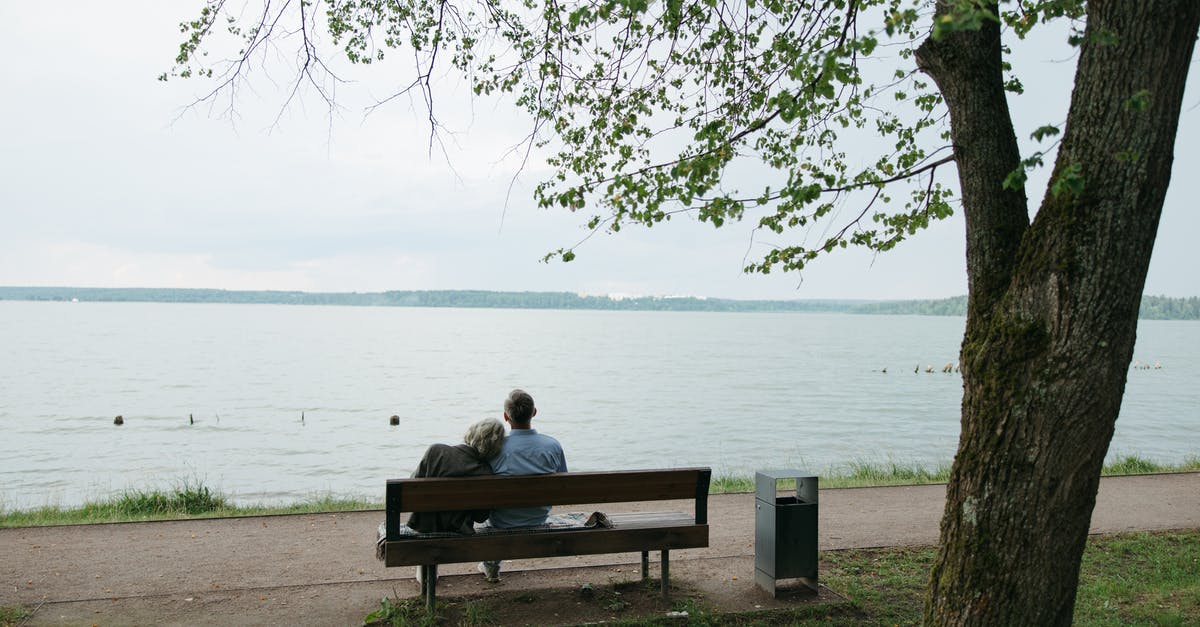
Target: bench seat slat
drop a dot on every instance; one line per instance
(416, 551)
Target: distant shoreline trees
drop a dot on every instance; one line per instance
(1152, 308)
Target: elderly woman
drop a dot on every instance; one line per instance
(480, 444)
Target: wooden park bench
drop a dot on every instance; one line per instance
(631, 532)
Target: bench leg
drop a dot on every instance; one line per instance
(429, 586)
(645, 565)
(666, 573)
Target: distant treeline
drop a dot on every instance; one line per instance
(1163, 308)
(422, 298)
(953, 306)
(1153, 307)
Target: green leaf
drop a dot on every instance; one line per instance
(1015, 180)
(964, 15)
(1105, 37)
(1139, 101)
(1044, 131)
(1068, 181)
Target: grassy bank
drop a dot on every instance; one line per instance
(859, 474)
(192, 499)
(185, 500)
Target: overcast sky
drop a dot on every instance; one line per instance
(109, 181)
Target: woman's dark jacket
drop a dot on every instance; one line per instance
(443, 460)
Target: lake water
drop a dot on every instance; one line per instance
(734, 391)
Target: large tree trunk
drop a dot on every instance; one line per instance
(1052, 314)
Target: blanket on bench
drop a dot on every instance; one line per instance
(554, 522)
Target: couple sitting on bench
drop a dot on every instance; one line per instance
(487, 451)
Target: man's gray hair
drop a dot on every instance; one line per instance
(486, 437)
(519, 407)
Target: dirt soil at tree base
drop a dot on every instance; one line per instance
(319, 569)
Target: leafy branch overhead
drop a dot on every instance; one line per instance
(720, 110)
(723, 111)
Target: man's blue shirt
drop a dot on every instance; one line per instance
(526, 452)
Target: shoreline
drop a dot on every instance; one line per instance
(194, 501)
(1153, 307)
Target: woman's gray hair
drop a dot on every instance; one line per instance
(486, 437)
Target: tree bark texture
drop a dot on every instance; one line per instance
(1052, 315)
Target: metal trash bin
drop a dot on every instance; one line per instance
(785, 530)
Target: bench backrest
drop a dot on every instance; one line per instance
(437, 494)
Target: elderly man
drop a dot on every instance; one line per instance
(524, 452)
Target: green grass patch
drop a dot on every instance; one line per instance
(402, 613)
(886, 585)
(863, 473)
(11, 615)
(476, 614)
(188, 499)
(1133, 465)
(319, 504)
(1138, 465)
(728, 484)
(854, 474)
(1127, 579)
(1141, 579)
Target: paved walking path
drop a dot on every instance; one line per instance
(319, 569)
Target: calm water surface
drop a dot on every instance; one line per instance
(619, 390)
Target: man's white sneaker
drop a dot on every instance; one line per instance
(490, 570)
